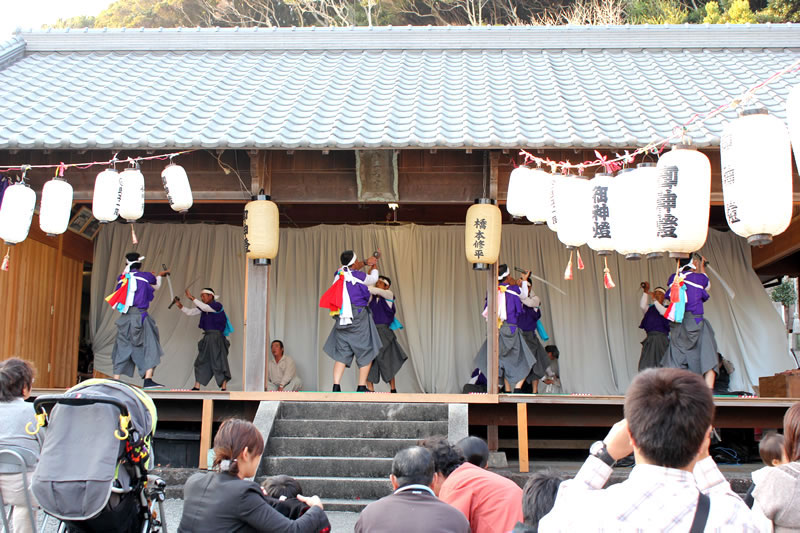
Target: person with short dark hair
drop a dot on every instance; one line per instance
(391, 357)
(224, 500)
(552, 378)
(772, 452)
(412, 506)
(675, 483)
(138, 344)
(281, 370)
(538, 497)
(284, 491)
(655, 344)
(212, 350)
(474, 450)
(16, 382)
(491, 502)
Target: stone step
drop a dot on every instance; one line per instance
(371, 467)
(346, 488)
(344, 505)
(331, 447)
(396, 429)
(363, 411)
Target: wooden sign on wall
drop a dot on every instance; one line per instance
(376, 174)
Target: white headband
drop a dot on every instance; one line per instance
(659, 289)
(501, 277)
(206, 291)
(352, 261)
(141, 258)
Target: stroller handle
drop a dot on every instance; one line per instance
(42, 402)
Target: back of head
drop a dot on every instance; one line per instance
(233, 437)
(413, 466)
(281, 486)
(791, 431)
(133, 259)
(502, 272)
(475, 451)
(346, 257)
(552, 349)
(446, 457)
(771, 448)
(539, 495)
(669, 412)
(15, 375)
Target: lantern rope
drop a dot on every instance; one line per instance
(62, 167)
(4, 266)
(607, 281)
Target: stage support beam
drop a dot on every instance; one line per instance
(256, 330)
(492, 353)
(522, 436)
(206, 423)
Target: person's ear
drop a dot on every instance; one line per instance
(393, 479)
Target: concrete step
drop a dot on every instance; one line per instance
(344, 505)
(375, 467)
(346, 488)
(394, 429)
(362, 411)
(330, 447)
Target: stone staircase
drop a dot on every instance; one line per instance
(343, 451)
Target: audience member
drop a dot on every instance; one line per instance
(552, 377)
(675, 485)
(413, 507)
(777, 496)
(474, 450)
(538, 497)
(224, 500)
(281, 371)
(284, 491)
(491, 503)
(16, 381)
(772, 454)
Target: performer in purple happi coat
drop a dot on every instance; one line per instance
(655, 345)
(212, 350)
(391, 357)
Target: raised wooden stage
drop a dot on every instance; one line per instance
(520, 410)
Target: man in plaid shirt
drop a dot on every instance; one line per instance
(667, 426)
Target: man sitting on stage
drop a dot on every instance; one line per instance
(391, 357)
(353, 333)
(212, 350)
(137, 343)
(516, 359)
(675, 485)
(692, 344)
(282, 372)
(655, 345)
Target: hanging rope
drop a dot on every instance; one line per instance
(607, 281)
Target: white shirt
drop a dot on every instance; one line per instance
(653, 498)
(645, 301)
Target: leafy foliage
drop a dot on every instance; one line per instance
(784, 293)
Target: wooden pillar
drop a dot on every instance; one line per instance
(55, 315)
(522, 436)
(206, 424)
(256, 328)
(492, 353)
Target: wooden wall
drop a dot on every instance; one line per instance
(41, 295)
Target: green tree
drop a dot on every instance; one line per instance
(737, 12)
(782, 10)
(657, 12)
(81, 21)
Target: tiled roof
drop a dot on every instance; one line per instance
(433, 87)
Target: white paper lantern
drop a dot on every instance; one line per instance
(261, 224)
(16, 213)
(176, 185)
(552, 217)
(793, 119)
(573, 210)
(482, 233)
(757, 176)
(683, 200)
(107, 194)
(538, 208)
(56, 207)
(602, 234)
(131, 202)
(632, 213)
(519, 191)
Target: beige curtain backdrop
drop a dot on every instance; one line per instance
(439, 302)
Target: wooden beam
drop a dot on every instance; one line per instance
(255, 327)
(54, 312)
(261, 172)
(206, 425)
(522, 436)
(782, 245)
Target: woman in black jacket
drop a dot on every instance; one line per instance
(225, 501)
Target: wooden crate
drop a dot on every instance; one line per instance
(779, 386)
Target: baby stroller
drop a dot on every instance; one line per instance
(92, 473)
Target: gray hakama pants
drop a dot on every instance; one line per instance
(390, 358)
(359, 339)
(654, 346)
(516, 359)
(539, 368)
(692, 346)
(212, 358)
(138, 344)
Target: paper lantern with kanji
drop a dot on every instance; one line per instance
(131, 202)
(633, 215)
(683, 196)
(538, 208)
(261, 225)
(552, 216)
(793, 119)
(482, 233)
(176, 185)
(107, 195)
(56, 207)
(16, 213)
(520, 187)
(756, 176)
(574, 210)
(603, 233)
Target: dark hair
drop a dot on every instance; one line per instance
(386, 279)
(791, 431)
(233, 437)
(413, 466)
(553, 349)
(475, 450)
(771, 448)
(446, 457)
(278, 341)
(502, 269)
(282, 485)
(539, 495)
(346, 256)
(15, 375)
(669, 412)
(134, 256)
(684, 261)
